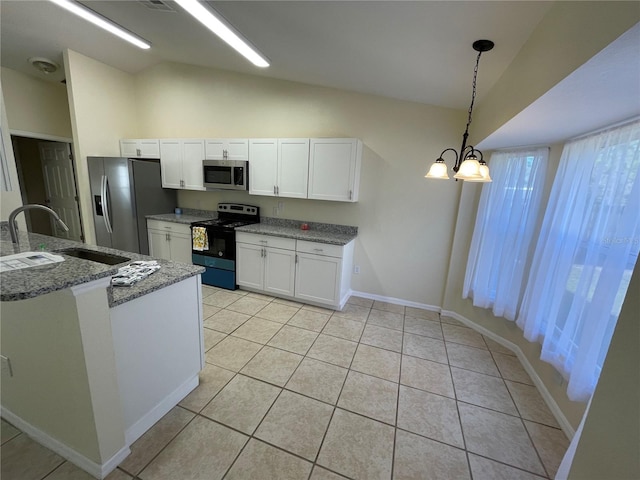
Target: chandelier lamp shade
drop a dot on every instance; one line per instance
(467, 165)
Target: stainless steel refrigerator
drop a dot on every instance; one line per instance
(123, 192)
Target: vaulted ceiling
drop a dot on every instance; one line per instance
(410, 50)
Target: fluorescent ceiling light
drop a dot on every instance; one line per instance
(217, 26)
(100, 21)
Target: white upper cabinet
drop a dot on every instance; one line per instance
(263, 166)
(140, 148)
(227, 149)
(293, 167)
(181, 163)
(334, 169)
(279, 167)
(171, 163)
(192, 157)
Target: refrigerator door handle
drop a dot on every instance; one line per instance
(105, 205)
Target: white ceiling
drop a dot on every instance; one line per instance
(411, 50)
(418, 51)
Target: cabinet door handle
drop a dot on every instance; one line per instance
(296, 258)
(274, 190)
(350, 194)
(265, 252)
(278, 190)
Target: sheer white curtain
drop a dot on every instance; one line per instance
(505, 223)
(587, 249)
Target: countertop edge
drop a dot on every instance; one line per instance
(306, 235)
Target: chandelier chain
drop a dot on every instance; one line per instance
(473, 94)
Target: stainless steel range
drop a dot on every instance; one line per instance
(214, 243)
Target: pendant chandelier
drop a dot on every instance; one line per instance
(467, 166)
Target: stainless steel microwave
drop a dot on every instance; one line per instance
(226, 174)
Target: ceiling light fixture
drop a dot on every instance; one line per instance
(102, 22)
(210, 20)
(467, 166)
(45, 65)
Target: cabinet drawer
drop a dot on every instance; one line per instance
(318, 248)
(266, 240)
(169, 227)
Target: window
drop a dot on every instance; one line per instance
(586, 252)
(505, 223)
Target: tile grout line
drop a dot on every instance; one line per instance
(455, 393)
(335, 407)
(395, 426)
(136, 475)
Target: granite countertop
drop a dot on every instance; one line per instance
(35, 281)
(318, 232)
(187, 217)
(278, 227)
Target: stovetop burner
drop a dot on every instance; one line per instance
(232, 215)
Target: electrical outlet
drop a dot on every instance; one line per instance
(281, 207)
(5, 366)
(356, 269)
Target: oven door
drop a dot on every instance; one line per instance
(222, 244)
(225, 174)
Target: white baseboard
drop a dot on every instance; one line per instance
(547, 397)
(92, 468)
(138, 429)
(397, 301)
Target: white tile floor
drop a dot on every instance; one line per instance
(377, 391)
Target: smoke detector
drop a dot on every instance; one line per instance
(45, 65)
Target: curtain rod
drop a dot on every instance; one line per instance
(604, 129)
(523, 147)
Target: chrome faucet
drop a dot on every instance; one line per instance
(13, 228)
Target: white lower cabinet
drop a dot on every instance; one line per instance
(169, 240)
(311, 272)
(265, 263)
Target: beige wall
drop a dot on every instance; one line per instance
(34, 105)
(48, 365)
(405, 222)
(102, 106)
(11, 198)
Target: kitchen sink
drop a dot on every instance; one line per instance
(93, 256)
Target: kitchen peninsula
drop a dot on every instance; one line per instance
(87, 368)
